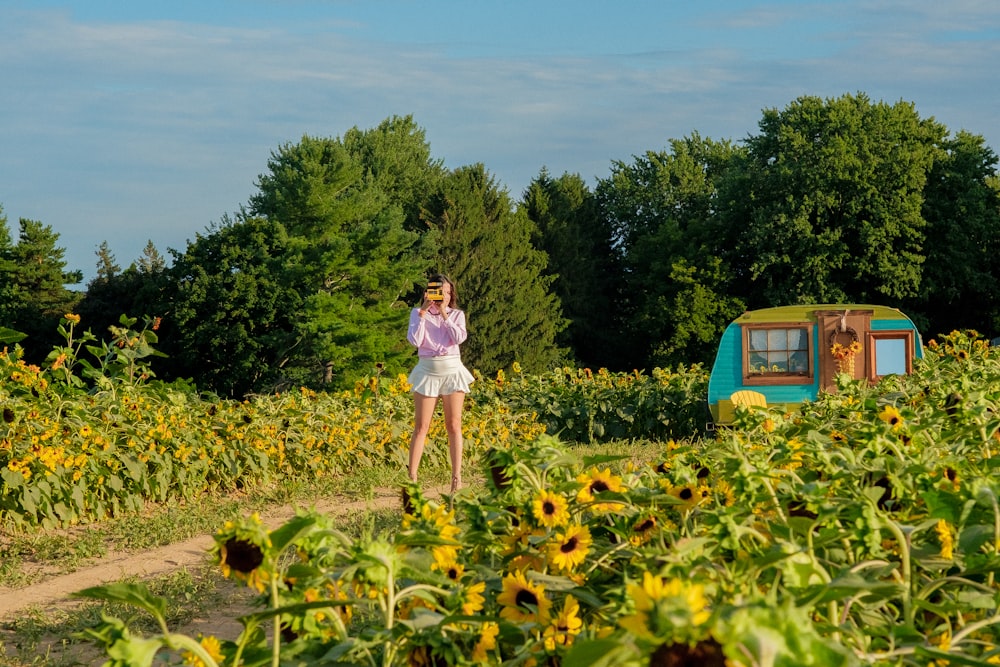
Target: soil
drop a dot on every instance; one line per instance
(53, 593)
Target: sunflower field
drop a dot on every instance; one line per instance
(862, 529)
(91, 434)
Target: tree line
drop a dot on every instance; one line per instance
(840, 200)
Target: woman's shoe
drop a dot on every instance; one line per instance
(456, 483)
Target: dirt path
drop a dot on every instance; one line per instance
(54, 593)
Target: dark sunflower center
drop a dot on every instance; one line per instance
(685, 494)
(643, 526)
(548, 508)
(526, 599)
(569, 546)
(598, 486)
(453, 573)
(707, 653)
(243, 556)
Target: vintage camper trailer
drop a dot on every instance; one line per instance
(786, 355)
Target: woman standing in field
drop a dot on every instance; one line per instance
(437, 328)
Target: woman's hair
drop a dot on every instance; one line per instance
(441, 278)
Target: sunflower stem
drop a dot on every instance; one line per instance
(276, 624)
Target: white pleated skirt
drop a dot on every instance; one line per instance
(440, 376)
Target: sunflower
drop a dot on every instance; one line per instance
(688, 496)
(241, 550)
(550, 509)
(519, 537)
(890, 415)
(472, 598)
(335, 591)
(595, 484)
(522, 601)
(642, 529)
(665, 605)
(212, 648)
(439, 521)
(487, 642)
(724, 493)
(568, 549)
(449, 567)
(946, 539)
(951, 480)
(662, 467)
(565, 626)
(421, 656)
(706, 653)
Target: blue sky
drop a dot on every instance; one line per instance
(130, 122)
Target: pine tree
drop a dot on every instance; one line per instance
(33, 281)
(136, 291)
(485, 247)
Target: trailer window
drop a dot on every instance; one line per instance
(890, 353)
(777, 354)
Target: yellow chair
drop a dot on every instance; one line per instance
(748, 398)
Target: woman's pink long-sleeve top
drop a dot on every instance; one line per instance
(435, 336)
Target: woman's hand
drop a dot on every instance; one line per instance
(425, 305)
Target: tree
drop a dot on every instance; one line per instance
(107, 265)
(676, 286)
(33, 281)
(397, 160)
(835, 190)
(137, 291)
(485, 246)
(231, 324)
(584, 270)
(343, 206)
(962, 209)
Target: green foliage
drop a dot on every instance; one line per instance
(232, 309)
(676, 292)
(397, 160)
(125, 360)
(962, 209)
(33, 296)
(833, 200)
(113, 292)
(837, 189)
(586, 275)
(485, 247)
(306, 289)
(582, 406)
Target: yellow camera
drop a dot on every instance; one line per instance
(434, 292)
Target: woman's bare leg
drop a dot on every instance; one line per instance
(423, 412)
(453, 424)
